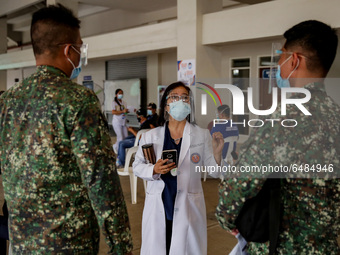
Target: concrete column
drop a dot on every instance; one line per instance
(189, 46)
(153, 77)
(3, 49)
(189, 36)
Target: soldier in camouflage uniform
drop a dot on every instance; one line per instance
(58, 166)
(311, 206)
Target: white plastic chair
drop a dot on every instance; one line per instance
(128, 171)
(228, 158)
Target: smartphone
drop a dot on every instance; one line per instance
(234, 155)
(171, 155)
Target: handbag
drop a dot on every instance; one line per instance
(4, 223)
(260, 216)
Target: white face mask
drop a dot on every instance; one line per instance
(120, 96)
(179, 110)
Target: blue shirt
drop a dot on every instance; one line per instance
(226, 130)
(170, 189)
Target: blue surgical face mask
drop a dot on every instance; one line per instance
(76, 70)
(179, 110)
(120, 96)
(149, 112)
(284, 83)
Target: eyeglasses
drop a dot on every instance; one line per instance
(175, 98)
(288, 52)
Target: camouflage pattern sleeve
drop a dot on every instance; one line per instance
(233, 192)
(310, 198)
(91, 145)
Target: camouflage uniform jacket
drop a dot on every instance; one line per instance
(311, 206)
(59, 173)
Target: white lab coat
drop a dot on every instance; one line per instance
(189, 233)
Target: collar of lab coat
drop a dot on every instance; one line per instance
(187, 132)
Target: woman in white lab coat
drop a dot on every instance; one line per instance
(174, 216)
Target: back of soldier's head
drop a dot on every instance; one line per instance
(52, 27)
(318, 42)
(224, 110)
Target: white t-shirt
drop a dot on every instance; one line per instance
(119, 119)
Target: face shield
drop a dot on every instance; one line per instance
(275, 57)
(189, 99)
(83, 54)
(83, 48)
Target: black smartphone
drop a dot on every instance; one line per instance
(234, 155)
(171, 155)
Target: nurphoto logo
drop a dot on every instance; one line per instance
(238, 102)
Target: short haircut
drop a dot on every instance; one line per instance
(224, 110)
(141, 112)
(152, 105)
(318, 41)
(52, 26)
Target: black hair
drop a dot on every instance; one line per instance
(142, 112)
(318, 41)
(162, 113)
(51, 27)
(152, 105)
(224, 109)
(116, 99)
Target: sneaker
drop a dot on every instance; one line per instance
(118, 164)
(115, 150)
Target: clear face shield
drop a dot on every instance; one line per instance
(275, 57)
(189, 99)
(83, 48)
(83, 53)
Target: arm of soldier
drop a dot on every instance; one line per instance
(236, 189)
(91, 145)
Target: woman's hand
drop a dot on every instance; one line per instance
(234, 232)
(162, 168)
(217, 144)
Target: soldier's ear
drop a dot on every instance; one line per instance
(67, 50)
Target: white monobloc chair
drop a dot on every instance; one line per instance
(228, 158)
(128, 171)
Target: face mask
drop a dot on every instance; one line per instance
(149, 112)
(120, 96)
(179, 110)
(76, 70)
(138, 119)
(284, 83)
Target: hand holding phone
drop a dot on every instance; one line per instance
(171, 156)
(162, 167)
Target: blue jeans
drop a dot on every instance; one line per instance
(128, 142)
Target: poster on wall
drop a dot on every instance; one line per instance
(160, 92)
(186, 71)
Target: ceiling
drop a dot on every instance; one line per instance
(19, 12)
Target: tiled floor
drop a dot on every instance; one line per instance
(219, 241)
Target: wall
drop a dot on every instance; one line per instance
(20, 73)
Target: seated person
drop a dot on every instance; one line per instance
(152, 115)
(226, 129)
(129, 141)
